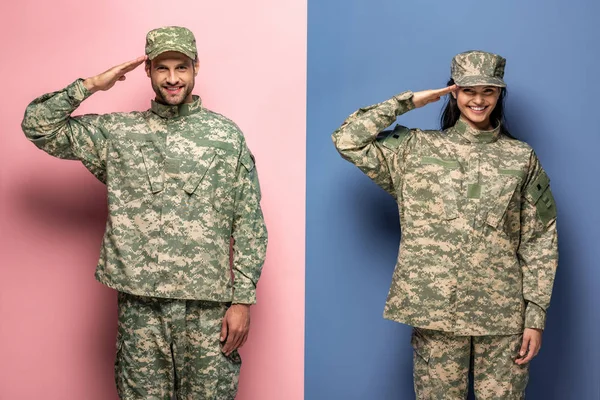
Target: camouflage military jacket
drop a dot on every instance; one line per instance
(478, 252)
(181, 183)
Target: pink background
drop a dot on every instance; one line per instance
(57, 324)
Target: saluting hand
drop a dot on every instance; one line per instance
(532, 342)
(107, 79)
(425, 97)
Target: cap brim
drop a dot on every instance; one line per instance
(158, 51)
(478, 80)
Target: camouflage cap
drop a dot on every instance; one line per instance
(170, 38)
(475, 67)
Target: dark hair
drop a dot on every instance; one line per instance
(451, 113)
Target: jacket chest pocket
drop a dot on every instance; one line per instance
(499, 195)
(435, 185)
(135, 170)
(210, 180)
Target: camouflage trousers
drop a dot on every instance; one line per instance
(442, 361)
(167, 347)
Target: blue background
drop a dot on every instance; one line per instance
(364, 51)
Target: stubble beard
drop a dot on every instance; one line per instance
(163, 97)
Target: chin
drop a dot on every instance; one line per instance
(479, 120)
(173, 101)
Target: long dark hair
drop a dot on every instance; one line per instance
(451, 113)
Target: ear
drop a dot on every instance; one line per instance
(147, 68)
(196, 66)
(454, 93)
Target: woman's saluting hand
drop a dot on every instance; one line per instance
(425, 97)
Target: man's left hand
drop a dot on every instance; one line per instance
(532, 342)
(235, 327)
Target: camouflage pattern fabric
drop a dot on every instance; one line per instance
(441, 366)
(172, 346)
(171, 38)
(478, 251)
(474, 68)
(181, 183)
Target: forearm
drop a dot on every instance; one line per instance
(539, 262)
(360, 129)
(357, 139)
(538, 249)
(249, 233)
(249, 252)
(47, 121)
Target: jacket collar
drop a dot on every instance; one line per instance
(473, 135)
(181, 110)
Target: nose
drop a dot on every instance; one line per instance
(479, 100)
(172, 79)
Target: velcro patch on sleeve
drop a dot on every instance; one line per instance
(546, 207)
(392, 139)
(539, 193)
(537, 187)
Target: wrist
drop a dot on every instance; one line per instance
(535, 329)
(241, 304)
(89, 85)
(404, 102)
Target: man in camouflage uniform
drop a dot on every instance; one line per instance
(478, 252)
(182, 188)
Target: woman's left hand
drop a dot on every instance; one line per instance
(532, 342)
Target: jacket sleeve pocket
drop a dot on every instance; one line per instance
(540, 195)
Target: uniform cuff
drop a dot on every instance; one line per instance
(77, 92)
(244, 293)
(535, 316)
(404, 102)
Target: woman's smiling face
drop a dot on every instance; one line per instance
(476, 104)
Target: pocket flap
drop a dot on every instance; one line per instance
(199, 171)
(450, 197)
(247, 160)
(500, 200)
(546, 208)
(449, 164)
(421, 345)
(153, 169)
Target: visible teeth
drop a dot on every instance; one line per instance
(477, 108)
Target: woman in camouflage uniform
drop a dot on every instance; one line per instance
(478, 252)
